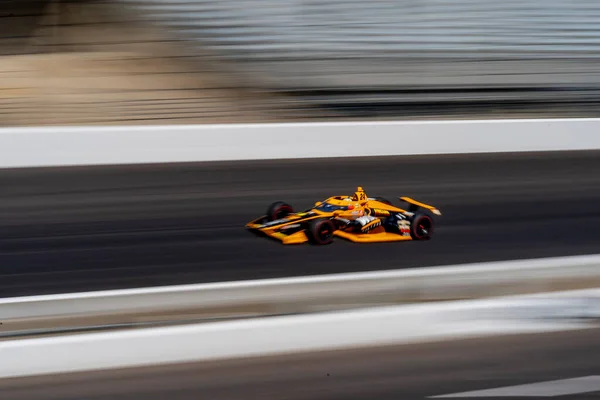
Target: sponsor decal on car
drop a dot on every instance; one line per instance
(383, 213)
(275, 222)
(404, 227)
(292, 226)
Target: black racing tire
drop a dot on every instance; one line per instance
(421, 227)
(320, 231)
(279, 209)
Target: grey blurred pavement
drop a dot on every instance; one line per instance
(79, 229)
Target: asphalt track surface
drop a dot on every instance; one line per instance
(408, 372)
(78, 229)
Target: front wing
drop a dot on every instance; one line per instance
(289, 232)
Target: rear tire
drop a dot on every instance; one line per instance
(278, 210)
(421, 227)
(320, 231)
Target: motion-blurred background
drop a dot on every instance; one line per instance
(88, 227)
(210, 61)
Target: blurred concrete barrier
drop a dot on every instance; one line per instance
(233, 300)
(292, 334)
(49, 146)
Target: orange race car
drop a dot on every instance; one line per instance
(358, 218)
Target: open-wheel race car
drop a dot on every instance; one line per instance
(358, 218)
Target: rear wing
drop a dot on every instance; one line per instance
(416, 204)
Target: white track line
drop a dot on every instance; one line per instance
(561, 387)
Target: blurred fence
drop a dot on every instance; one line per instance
(366, 37)
(471, 29)
(345, 58)
(512, 49)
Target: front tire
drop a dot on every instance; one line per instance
(278, 210)
(421, 227)
(320, 231)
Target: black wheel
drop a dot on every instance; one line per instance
(421, 227)
(320, 231)
(278, 210)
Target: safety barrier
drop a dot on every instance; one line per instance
(70, 146)
(231, 300)
(289, 334)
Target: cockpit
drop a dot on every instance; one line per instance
(328, 207)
